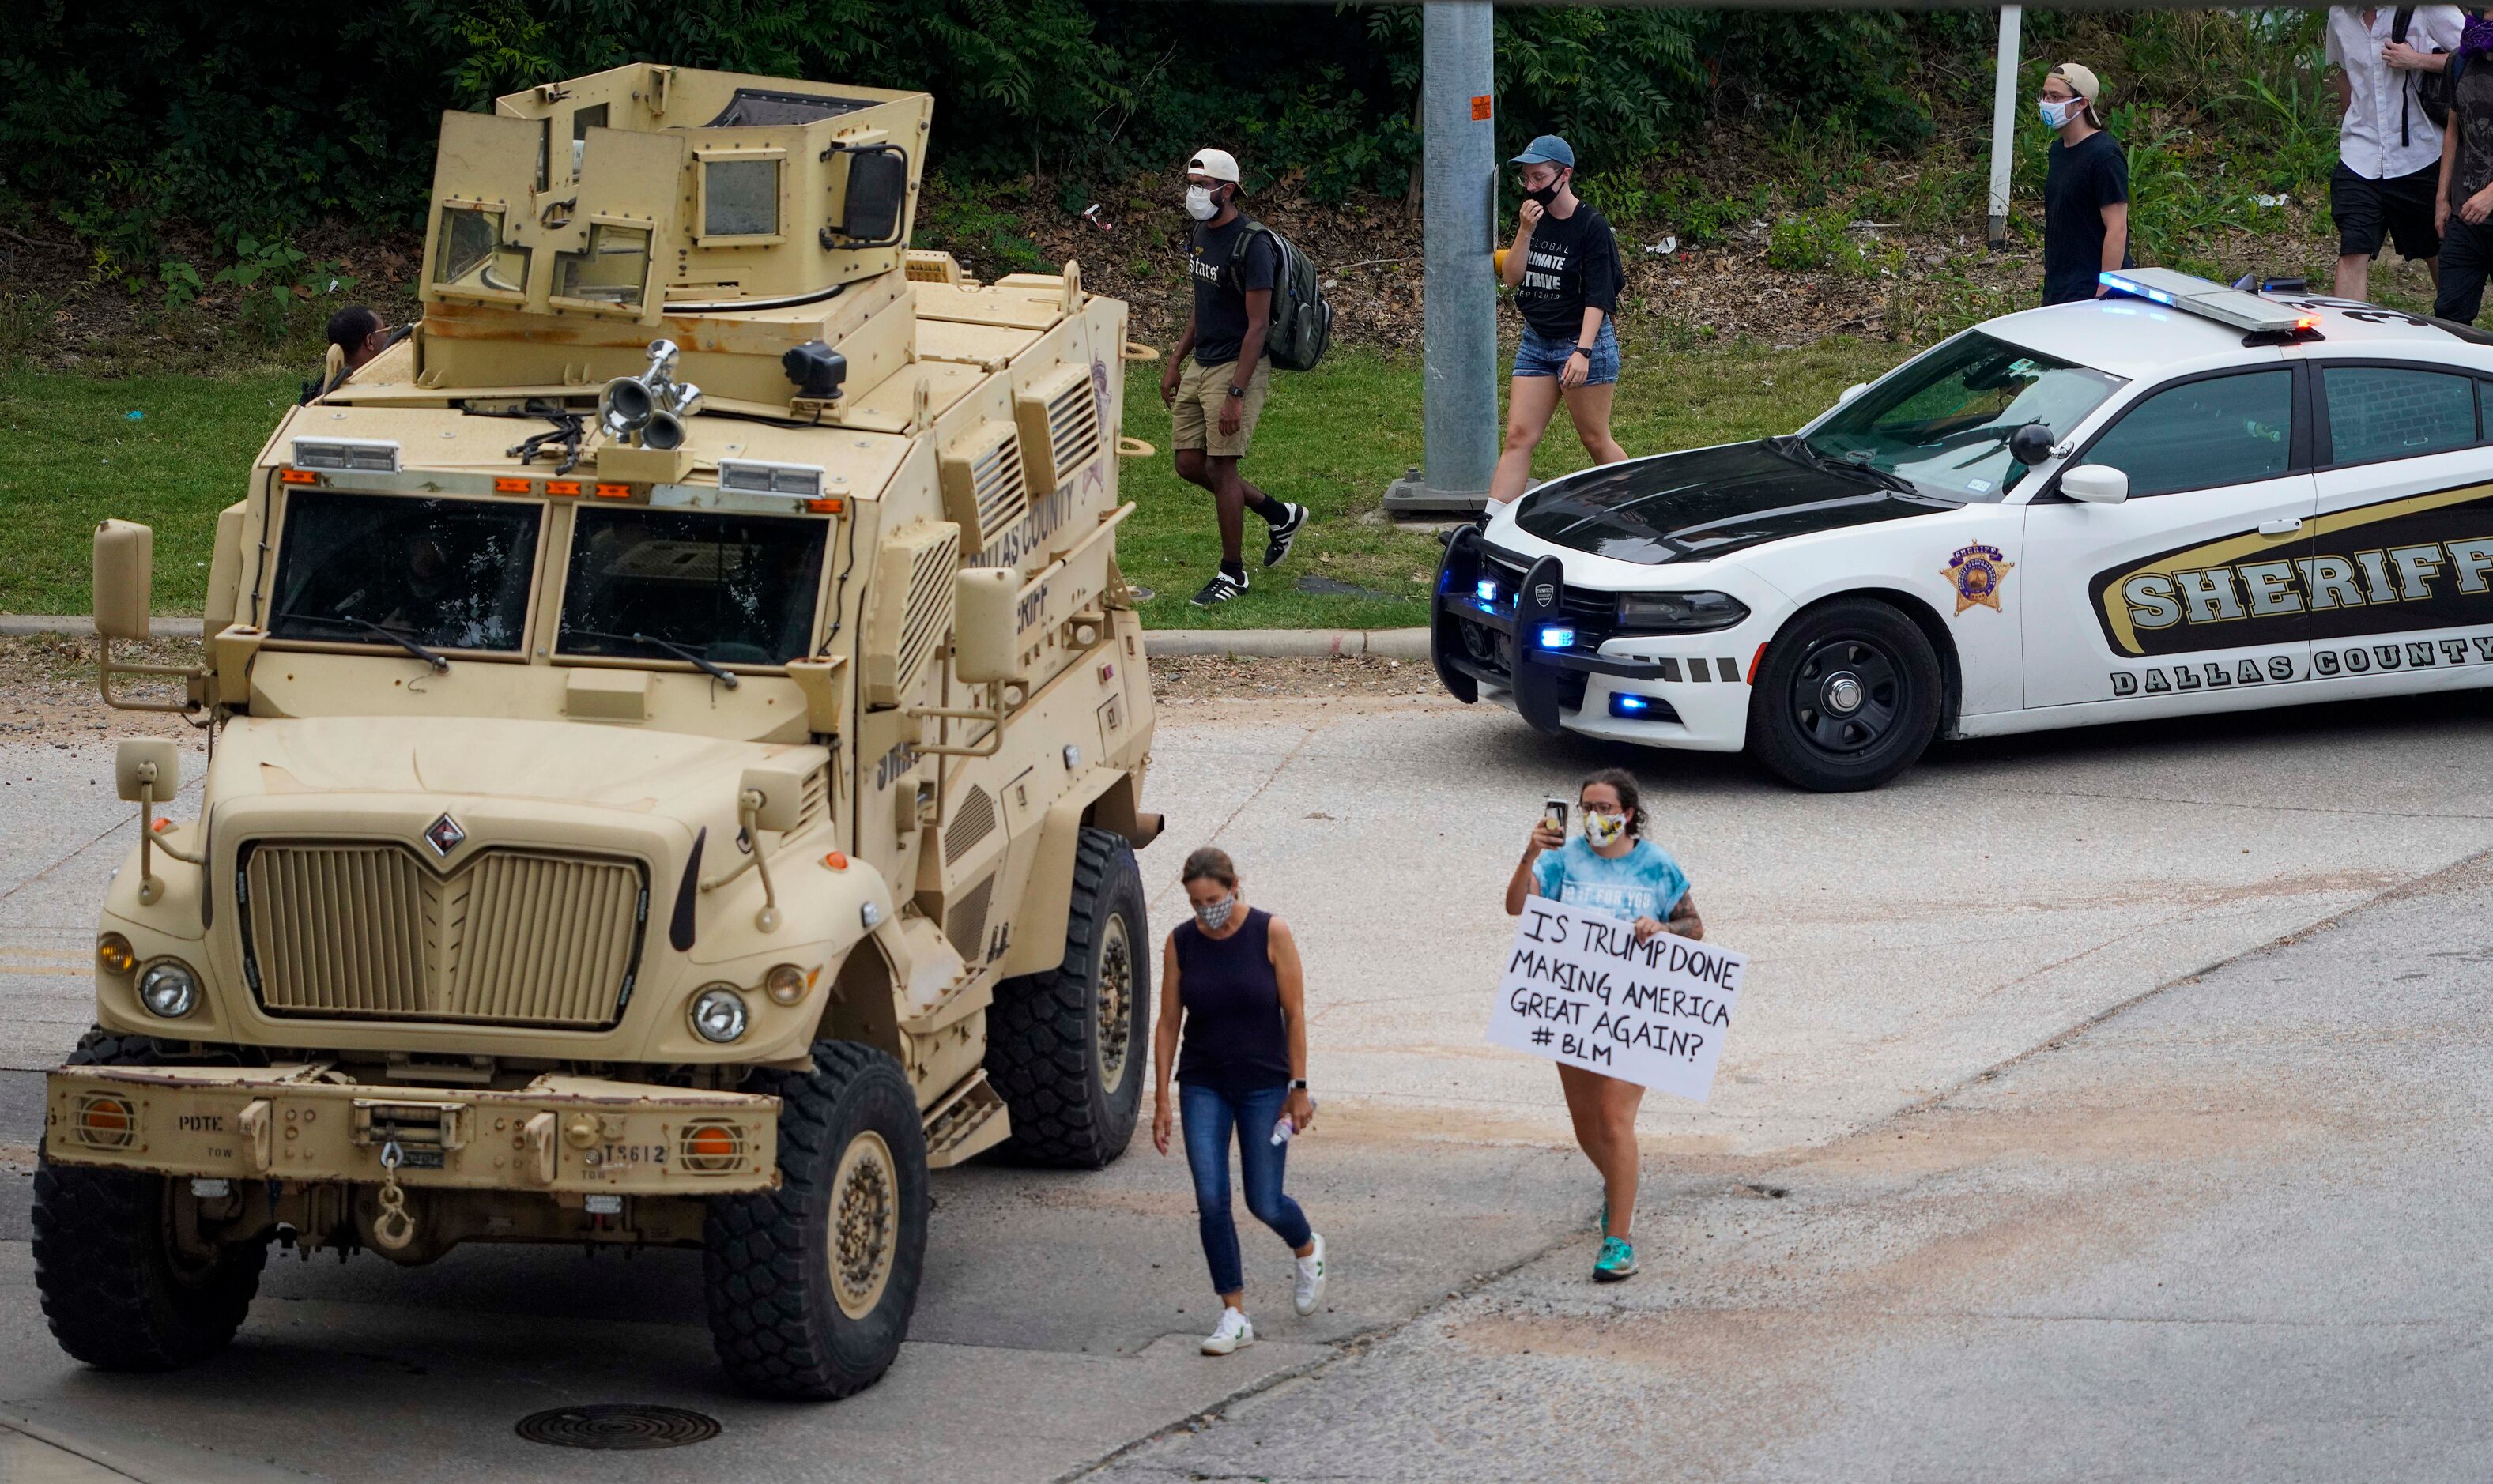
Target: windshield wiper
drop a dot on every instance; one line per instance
(1797, 447)
(430, 657)
(691, 657)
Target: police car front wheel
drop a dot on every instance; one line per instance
(1847, 697)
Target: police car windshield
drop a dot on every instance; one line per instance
(1943, 421)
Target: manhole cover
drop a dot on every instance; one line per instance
(613, 1425)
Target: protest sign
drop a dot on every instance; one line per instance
(1579, 989)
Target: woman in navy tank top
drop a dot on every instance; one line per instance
(1233, 1023)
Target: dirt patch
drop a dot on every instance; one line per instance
(47, 690)
(1208, 677)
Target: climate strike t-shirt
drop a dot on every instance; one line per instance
(1570, 264)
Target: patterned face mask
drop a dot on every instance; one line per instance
(1603, 829)
(1214, 915)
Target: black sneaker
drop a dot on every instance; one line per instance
(1279, 545)
(1220, 589)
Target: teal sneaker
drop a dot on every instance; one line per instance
(1617, 1261)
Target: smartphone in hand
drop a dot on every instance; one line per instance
(1553, 814)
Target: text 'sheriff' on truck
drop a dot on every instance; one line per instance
(677, 744)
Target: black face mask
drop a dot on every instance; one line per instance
(1546, 193)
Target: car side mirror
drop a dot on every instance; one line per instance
(146, 770)
(1853, 391)
(2097, 483)
(2031, 444)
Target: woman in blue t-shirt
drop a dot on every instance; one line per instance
(1611, 868)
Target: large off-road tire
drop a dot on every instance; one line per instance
(811, 1286)
(1067, 1048)
(1849, 696)
(116, 1289)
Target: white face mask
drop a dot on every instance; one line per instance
(1600, 830)
(2057, 114)
(1200, 203)
(1214, 915)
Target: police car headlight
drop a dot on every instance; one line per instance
(1680, 613)
(168, 989)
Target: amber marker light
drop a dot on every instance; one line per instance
(297, 477)
(826, 507)
(107, 1122)
(515, 486)
(615, 492)
(712, 1148)
(113, 953)
(836, 861)
(569, 487)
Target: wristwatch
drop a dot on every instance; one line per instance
(1237, 391)
(1298, 1085)
(1586, 351)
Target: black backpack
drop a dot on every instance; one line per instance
(2431, 90)
(1302, 323)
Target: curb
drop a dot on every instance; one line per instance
(1406, 644)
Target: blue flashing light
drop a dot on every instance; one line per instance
(1629, 705)
(1486, 589)
(2126, 285)
(1557, 638)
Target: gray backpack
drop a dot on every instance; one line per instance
(1302, 324)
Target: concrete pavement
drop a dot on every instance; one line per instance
(1903, 942)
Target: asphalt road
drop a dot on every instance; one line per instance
(1961, 1269)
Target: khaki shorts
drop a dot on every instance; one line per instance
(1196, 413)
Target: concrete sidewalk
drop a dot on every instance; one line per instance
(1242, 643)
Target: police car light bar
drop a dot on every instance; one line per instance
(2209, 301)
(348, 455)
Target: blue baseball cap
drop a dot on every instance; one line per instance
(1548, 149)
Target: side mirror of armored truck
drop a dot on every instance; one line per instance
(986, 629)
(146, 770)
(124, 580)
(783, 797)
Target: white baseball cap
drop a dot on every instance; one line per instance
(1219, 164)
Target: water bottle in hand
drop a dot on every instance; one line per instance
(1283, 1129)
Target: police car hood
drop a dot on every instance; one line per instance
(1708, 502)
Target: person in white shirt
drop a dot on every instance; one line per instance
(2388, 148)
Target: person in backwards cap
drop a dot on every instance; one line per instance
(1215, 381)
(2085, 191)
(1564, 268)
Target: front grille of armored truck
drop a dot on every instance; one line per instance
(354, 931)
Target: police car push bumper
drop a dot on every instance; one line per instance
(1545, 645)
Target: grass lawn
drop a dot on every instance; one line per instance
(1331, 439)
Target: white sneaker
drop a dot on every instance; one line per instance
(1311, 1278)
(1234, 1332)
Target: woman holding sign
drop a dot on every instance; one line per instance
(1232, 977)
(1609, 867)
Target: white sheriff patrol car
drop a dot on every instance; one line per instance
(2176, 498)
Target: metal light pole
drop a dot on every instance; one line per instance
(1458, 174)
(2004, 119)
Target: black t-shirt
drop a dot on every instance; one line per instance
(1220, 286)
(1572, 264)
(2083, 180)
(2471, 116)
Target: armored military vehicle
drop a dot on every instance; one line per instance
(676, 734)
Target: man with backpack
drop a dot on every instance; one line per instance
(1215, 379)
(2389, 70)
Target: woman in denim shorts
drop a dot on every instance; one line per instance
(1564, 268)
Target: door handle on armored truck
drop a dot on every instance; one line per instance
(1107, 523)
(1135, 350)
(1131, 447)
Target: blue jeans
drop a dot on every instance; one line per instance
(1541, 355)
(1209, 1115)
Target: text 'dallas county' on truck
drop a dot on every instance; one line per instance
(678, 732)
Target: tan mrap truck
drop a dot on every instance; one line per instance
(676, 734)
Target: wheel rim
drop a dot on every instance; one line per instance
(866, 1224)
(1114, 1006)
(1847, 695)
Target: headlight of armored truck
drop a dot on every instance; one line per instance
(719, 1013)
(170, 988)
(1680, 613)
(112, 951)
(785, 984)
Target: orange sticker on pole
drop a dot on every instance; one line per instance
(1479, 109)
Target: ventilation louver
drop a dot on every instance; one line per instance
(913, 608)
(965, 923)
(974, 819)
(986, 486)
(1059, 416)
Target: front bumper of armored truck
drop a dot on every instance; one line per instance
(308, 1122)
